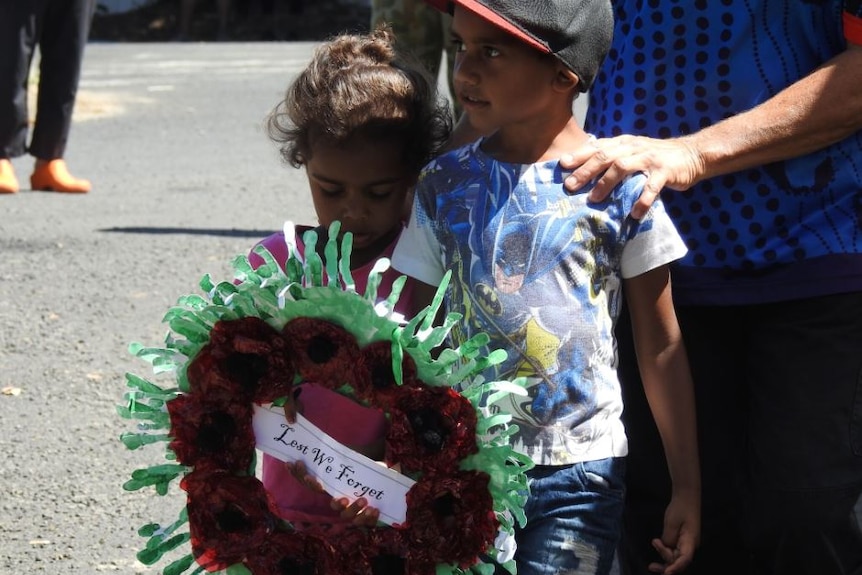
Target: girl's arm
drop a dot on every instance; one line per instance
(667, 382)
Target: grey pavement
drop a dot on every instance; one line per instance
(184, 179)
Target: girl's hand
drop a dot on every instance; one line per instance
(301, 474)
(359, 512)
(293, 406)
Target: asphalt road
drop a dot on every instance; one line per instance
(184, 179)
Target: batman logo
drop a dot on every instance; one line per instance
(487, 299)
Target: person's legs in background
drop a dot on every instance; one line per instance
(267, 11)
(291, 28)
(223, 7)
(61, 29)
(419, 28)
(805, 454)
(187, 9)
(65, 26)
(422, 31)
(18, 34)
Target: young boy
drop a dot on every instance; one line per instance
(542, 272)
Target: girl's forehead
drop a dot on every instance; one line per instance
(357, 162)
(357, 144)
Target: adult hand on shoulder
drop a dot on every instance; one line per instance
(673, 163)
(680, 537)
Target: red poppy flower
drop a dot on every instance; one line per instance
(450, 519)
(294, 553)
(431, 429)
(350, 545)
(229, 516)
(245, 358)
(380, 388)
(324, 353)
(207, 379)
(390, 554)
(215, 434)
(377, 551)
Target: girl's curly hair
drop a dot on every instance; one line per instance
(361, 85)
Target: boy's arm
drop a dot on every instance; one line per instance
(668, 387)
(417, 255)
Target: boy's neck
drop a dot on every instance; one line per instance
(546, 138)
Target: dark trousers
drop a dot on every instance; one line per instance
(779, 399)
(60, 29)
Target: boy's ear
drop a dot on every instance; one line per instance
(565, 80)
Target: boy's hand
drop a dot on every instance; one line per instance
(359, 511)
(680, 537)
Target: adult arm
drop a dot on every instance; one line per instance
(669, 390)
(818, 110)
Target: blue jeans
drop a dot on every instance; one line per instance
(573, 519)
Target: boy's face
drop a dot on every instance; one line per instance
(498, 79)
(363, 184)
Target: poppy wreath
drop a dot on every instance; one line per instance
(252, 340)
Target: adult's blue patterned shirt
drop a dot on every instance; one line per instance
(785, 230)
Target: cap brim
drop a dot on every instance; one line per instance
(489, 15)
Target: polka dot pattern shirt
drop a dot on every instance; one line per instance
(781, 231)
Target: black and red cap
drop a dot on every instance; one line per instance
(577, 32)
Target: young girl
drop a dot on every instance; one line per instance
(363, 120)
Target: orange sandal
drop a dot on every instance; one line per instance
(54, 176)
(8, 181)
